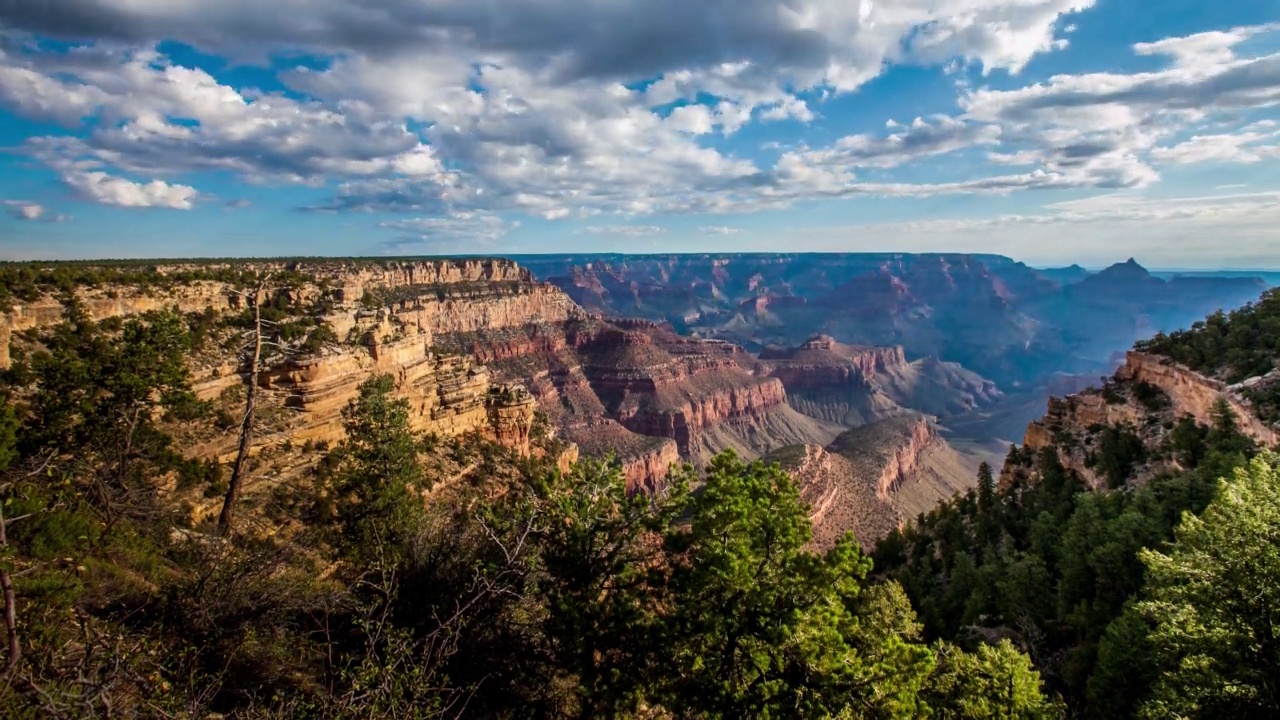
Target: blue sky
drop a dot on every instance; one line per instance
(1054, 131)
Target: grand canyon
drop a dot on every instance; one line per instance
(271, 463)
(881, 382)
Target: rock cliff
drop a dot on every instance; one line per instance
(1072, 423)
(648, 382)
(385, 316)
(873, 478)
(1196, 395)
(852, 385)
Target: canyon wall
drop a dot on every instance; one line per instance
(450, 394)
(1193, 394)
(874, 478)
(1078, 418)
(905, 458)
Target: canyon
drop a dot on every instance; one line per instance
(858, 373)
(1032, 331)
(875, 478)
(478, 346)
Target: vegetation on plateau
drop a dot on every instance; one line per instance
(526, 592)
(1233, 346)
(386, 588)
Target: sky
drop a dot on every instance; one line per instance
(1052, 131)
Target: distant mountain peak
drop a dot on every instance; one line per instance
(1128, 270)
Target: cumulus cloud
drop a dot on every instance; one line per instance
(1246, 147)
(457, 111)
(110, 190)
(624, 230)
(531, 98)
(31, 211)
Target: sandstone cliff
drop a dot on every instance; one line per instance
(873, 478)
(1071, 423)
(1196, 395)
(388, 314)
(853, 385)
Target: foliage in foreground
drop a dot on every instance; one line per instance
(522, 592)
(527, 592)
(1045, 560)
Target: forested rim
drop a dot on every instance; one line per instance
(526, 592)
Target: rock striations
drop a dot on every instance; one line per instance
(478, 346)
(389, 314)
(1180, 392)
(852, 385)
(873, 478)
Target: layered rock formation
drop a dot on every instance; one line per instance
(853, 385)
(1078, 418)
(991, 314)
(116, 301)
(632, 381)
(873, 478)
(450, 395)
(1193, 394)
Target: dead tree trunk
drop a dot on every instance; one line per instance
(10, 608)
(227, 517)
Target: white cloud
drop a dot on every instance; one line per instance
(534, 107)
(582, 108)
(1245, 147)
(20, 210)
(32, 211)
(625, 230)
(109, 190)
(718, 230)
(935, 136)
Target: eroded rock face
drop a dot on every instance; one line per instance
(638, 389)
(852, 385)
(449, 395)
(905, 458)
(1071, 423)
(1193, 394)
(876, 477)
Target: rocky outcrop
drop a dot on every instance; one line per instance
(684, 416)
(1071, 424)
(853, 385)
(821, 359)
(872, 479)
(647, 471)
(646, 461)
(1193, 394)
(905, 458)
(1076, 413)
(450, 394)
(122, 301)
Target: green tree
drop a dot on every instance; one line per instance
(761, 626)
(1213, 600)
(97, 396)
(379, 482)
(598, 548)
(996, 681)
(8, 435)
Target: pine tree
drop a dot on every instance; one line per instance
(1213, 600)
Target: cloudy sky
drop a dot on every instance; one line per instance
(1054, 131)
